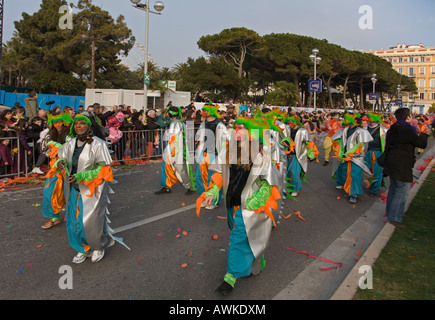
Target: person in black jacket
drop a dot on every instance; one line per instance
(401, 141)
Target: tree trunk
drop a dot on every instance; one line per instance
(93, 66)
(345, 89)
(361, 106)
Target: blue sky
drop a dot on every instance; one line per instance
(173, 35)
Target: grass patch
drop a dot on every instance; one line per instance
(405, 269)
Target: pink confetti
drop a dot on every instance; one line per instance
(159, 234)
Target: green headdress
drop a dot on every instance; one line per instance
(295, 119)
(212, 109)
(376, 117)
(256, 126)
(174, 113)
(65, 117)
(79, 117)
(351, 119)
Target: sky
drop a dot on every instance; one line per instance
(173, 36)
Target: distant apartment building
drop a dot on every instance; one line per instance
(417, 62)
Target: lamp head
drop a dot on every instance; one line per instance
(135, 2)
(315, 51)
(159, 6)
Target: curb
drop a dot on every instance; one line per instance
(349, 287)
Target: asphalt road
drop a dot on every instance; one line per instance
(172, 254)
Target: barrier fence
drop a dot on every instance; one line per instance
(133, 145)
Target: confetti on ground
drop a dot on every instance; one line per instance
(159, 234)
(358, 254)
(215, 237)
(339, 264)
(298, 213)
(338, 198)
(184, 265)
(223, 218)
(183, 204)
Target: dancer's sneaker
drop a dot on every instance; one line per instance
(163, 190)
(97, 255)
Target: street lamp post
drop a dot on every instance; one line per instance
(158, 6)
(374, 80)
(316, 60)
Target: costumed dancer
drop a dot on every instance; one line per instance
(213, 135)
(87, 164)
(375, 149)
(175, 164)
(302, 148)
(330, 127)
(352, 145)
(250, 185)
(53, 198)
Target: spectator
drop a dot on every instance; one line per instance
(31, 105)
(401, 141)
(5, 157)
(152, 127)
(7, 117)
(24, 149)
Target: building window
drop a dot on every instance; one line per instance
(432, 83)
(411, 72)
(422, 70)
(421, 96)
(433, 96)
(423, 59)
(400, 70)
(411, 59)
(432, 70)
(421, 83)
(400, 60)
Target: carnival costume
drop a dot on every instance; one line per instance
(302, 148)
(212, 138)
(86, 199)
(175, 164)
(250, 189)
(350, 151)
(53, 199)
(374, 150)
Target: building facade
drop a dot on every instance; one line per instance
(417, 62)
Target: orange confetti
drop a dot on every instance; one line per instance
(338, 198)
(353, 206)
(223, 218)
(215, 237)
(184, 233)
(39, 246)
(358, 254)
(139, 259)
(184, 265)
(183, 204)
(178, 235)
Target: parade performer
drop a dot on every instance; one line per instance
(52, 195)
(213, 135)
(352, 145)
(175, 164)
(302, 148)
(250, 185)
(375, 148)
(330, 127)
(87, 164)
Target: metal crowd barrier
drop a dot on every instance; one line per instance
(133, 145)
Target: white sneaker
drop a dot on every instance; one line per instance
(294, 194)
(37, 171)
(97, 255)
(211, 207)
(339, 187)
(79, 258)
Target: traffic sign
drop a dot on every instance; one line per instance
(314, 85)
(373, 96)
(147, 79)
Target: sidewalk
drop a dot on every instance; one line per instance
(359, 245)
